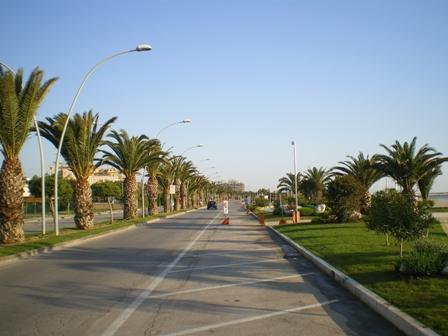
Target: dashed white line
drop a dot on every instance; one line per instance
(250, 319)
(124, 316)
(224, 265)
(242, 283)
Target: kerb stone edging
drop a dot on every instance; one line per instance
(401, 320)
(32, 253)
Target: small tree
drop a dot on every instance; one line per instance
(344, 195)
(399, 215)
(105, 189)
(65, 190)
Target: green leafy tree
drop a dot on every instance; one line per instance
(18, 106)
(65, 190)
(105, 189)
(127, 155)
(344, 196)
(363, 170)
(397, 214)
(81, 144)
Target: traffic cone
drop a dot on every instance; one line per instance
(226, 221)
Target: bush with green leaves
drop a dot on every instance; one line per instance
(65, 190)
(399, 215)
(344, 195)
(305, 211)
(261, 202)
(427, 258)
(102, 190)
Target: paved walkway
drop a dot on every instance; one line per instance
(443, 218)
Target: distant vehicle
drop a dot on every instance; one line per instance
(212, 205)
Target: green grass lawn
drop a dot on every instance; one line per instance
(37, 241)
(364, 256)
(439, 209)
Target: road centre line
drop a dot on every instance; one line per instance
(133, 306)
(224, 265)
(242, 283)
(250, 319)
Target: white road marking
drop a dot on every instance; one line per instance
(124, 316)
(250, 319)
(242, 283)
(224, 265)
(232, 253)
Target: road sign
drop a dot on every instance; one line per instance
(172, 189)
(225, 207)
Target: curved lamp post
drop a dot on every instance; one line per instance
(190, 148)
(42, 161)
(185, 121)
(212, 167)
(139, 48)
(203, 160)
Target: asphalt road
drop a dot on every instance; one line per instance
(188, 275)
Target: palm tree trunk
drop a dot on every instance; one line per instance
(83, 205)
(166, 200)
(183, 195)
(177, 196)
(130, 198)
(11, 200)
(366, 200)
(152, 188)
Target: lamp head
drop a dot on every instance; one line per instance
(186, 121)
(293, 143)
(143, 47)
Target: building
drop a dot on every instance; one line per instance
(100, 174)
(233, 185)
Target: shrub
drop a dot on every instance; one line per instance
(398, 215)
(261, 202)
(426, 258)
(344, 195)
(325, 218)
(305, 211)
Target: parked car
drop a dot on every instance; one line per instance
(212, 205)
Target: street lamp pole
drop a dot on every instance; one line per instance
(189, 148)
(139, 48)
(42, 161)
(293, 143)
(185, 121)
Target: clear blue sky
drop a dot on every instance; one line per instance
(337, 76)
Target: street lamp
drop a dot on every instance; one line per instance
(185, 121)
(189, 148)
(139, 48)
(293, 143)
(42, 161)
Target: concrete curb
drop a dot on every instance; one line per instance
(36, 252)
(401, 320)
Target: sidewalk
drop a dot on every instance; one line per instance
(443, 218)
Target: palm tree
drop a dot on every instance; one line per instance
(195, 188)
(18, 107)
(185, 172)
(426, 182)
(363, 170)
(287, 183)
(128, 156)
(81, 144)
(315, 181)
(407, 165)
(155, 157)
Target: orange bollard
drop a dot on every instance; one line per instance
(296, 217)
(281, 221)
(261, 218)
(226, 221)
